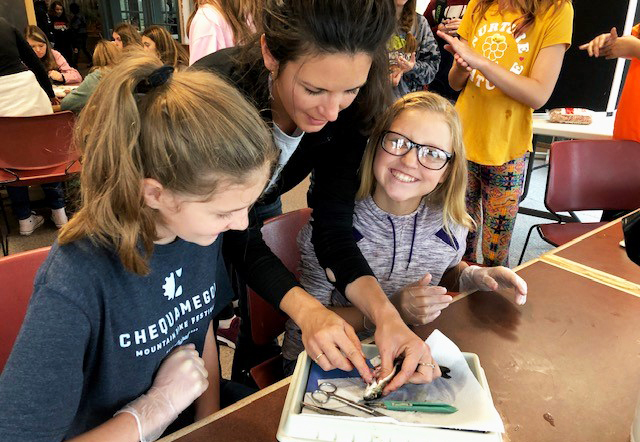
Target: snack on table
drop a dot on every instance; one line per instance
(570, 115)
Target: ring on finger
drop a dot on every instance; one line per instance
(428, 364)
(318, 357)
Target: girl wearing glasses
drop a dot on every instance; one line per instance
(409, 221)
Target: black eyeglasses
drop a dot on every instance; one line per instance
(433, 158)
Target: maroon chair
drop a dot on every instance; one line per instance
(588, 175)
(17, 273)
(267, 323)
(38, 150)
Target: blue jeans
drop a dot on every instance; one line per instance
(19, 196)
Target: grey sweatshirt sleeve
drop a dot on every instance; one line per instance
(42, 382)
(77, 98)
(427, 58)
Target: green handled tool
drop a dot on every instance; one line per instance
(422, 407)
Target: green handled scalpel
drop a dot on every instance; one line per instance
(422, 407)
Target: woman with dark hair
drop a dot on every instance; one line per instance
(319, 75)
(61, 29)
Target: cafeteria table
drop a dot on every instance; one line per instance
(563, 367)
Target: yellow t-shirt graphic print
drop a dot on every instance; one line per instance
(497, 128)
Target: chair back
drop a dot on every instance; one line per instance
(593, 175)
(17, 273)
(280, 234)
(40, 142)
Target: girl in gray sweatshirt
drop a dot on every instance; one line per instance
(410, 221)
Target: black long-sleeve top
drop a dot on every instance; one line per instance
(334, 155)
(15, 53)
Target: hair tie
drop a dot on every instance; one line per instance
(157, 78)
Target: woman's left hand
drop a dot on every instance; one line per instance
(465, 55)
(492, 279)
(394, 339)
(55, 75)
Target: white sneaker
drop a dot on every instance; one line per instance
(27, 226)
(59, 217)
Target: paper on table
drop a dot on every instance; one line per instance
(463, 391)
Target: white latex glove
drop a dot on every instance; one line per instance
(420, 303)
(475, 278)
(180, 380)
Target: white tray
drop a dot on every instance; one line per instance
(297, 427)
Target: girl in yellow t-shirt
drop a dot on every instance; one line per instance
(508, 59)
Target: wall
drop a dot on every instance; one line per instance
(15, 12)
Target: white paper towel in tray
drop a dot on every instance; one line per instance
(475, 408)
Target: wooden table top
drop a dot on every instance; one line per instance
(602, 251)
(571, 354)
(563, 367)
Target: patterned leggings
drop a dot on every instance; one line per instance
(492, 202)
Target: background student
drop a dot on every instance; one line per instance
(62, 34)
(320, 77)
(54, 62)
(78, 25)
(219, 24)
(412, 183)
(412, 68)
(508, 59)
(105, 57)
(446, 16)
(126, 35)
(117, 341)
(157, 40)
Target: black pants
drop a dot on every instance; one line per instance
(247, 354)
(80, 44)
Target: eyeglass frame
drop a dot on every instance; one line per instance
(413, 145)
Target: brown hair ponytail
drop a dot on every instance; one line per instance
(189, 134)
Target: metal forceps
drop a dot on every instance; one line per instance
(327, 391)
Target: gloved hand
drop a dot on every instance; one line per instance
(420, 303)
(475, 278)
(180, 380)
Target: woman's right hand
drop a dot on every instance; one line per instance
(180, 380)
(420, 303)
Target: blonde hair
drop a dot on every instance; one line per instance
(191, 134)
(168, 49)
(129, 35)
(530, 9)
(105, 55)
(450, 194)
(35, 33)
